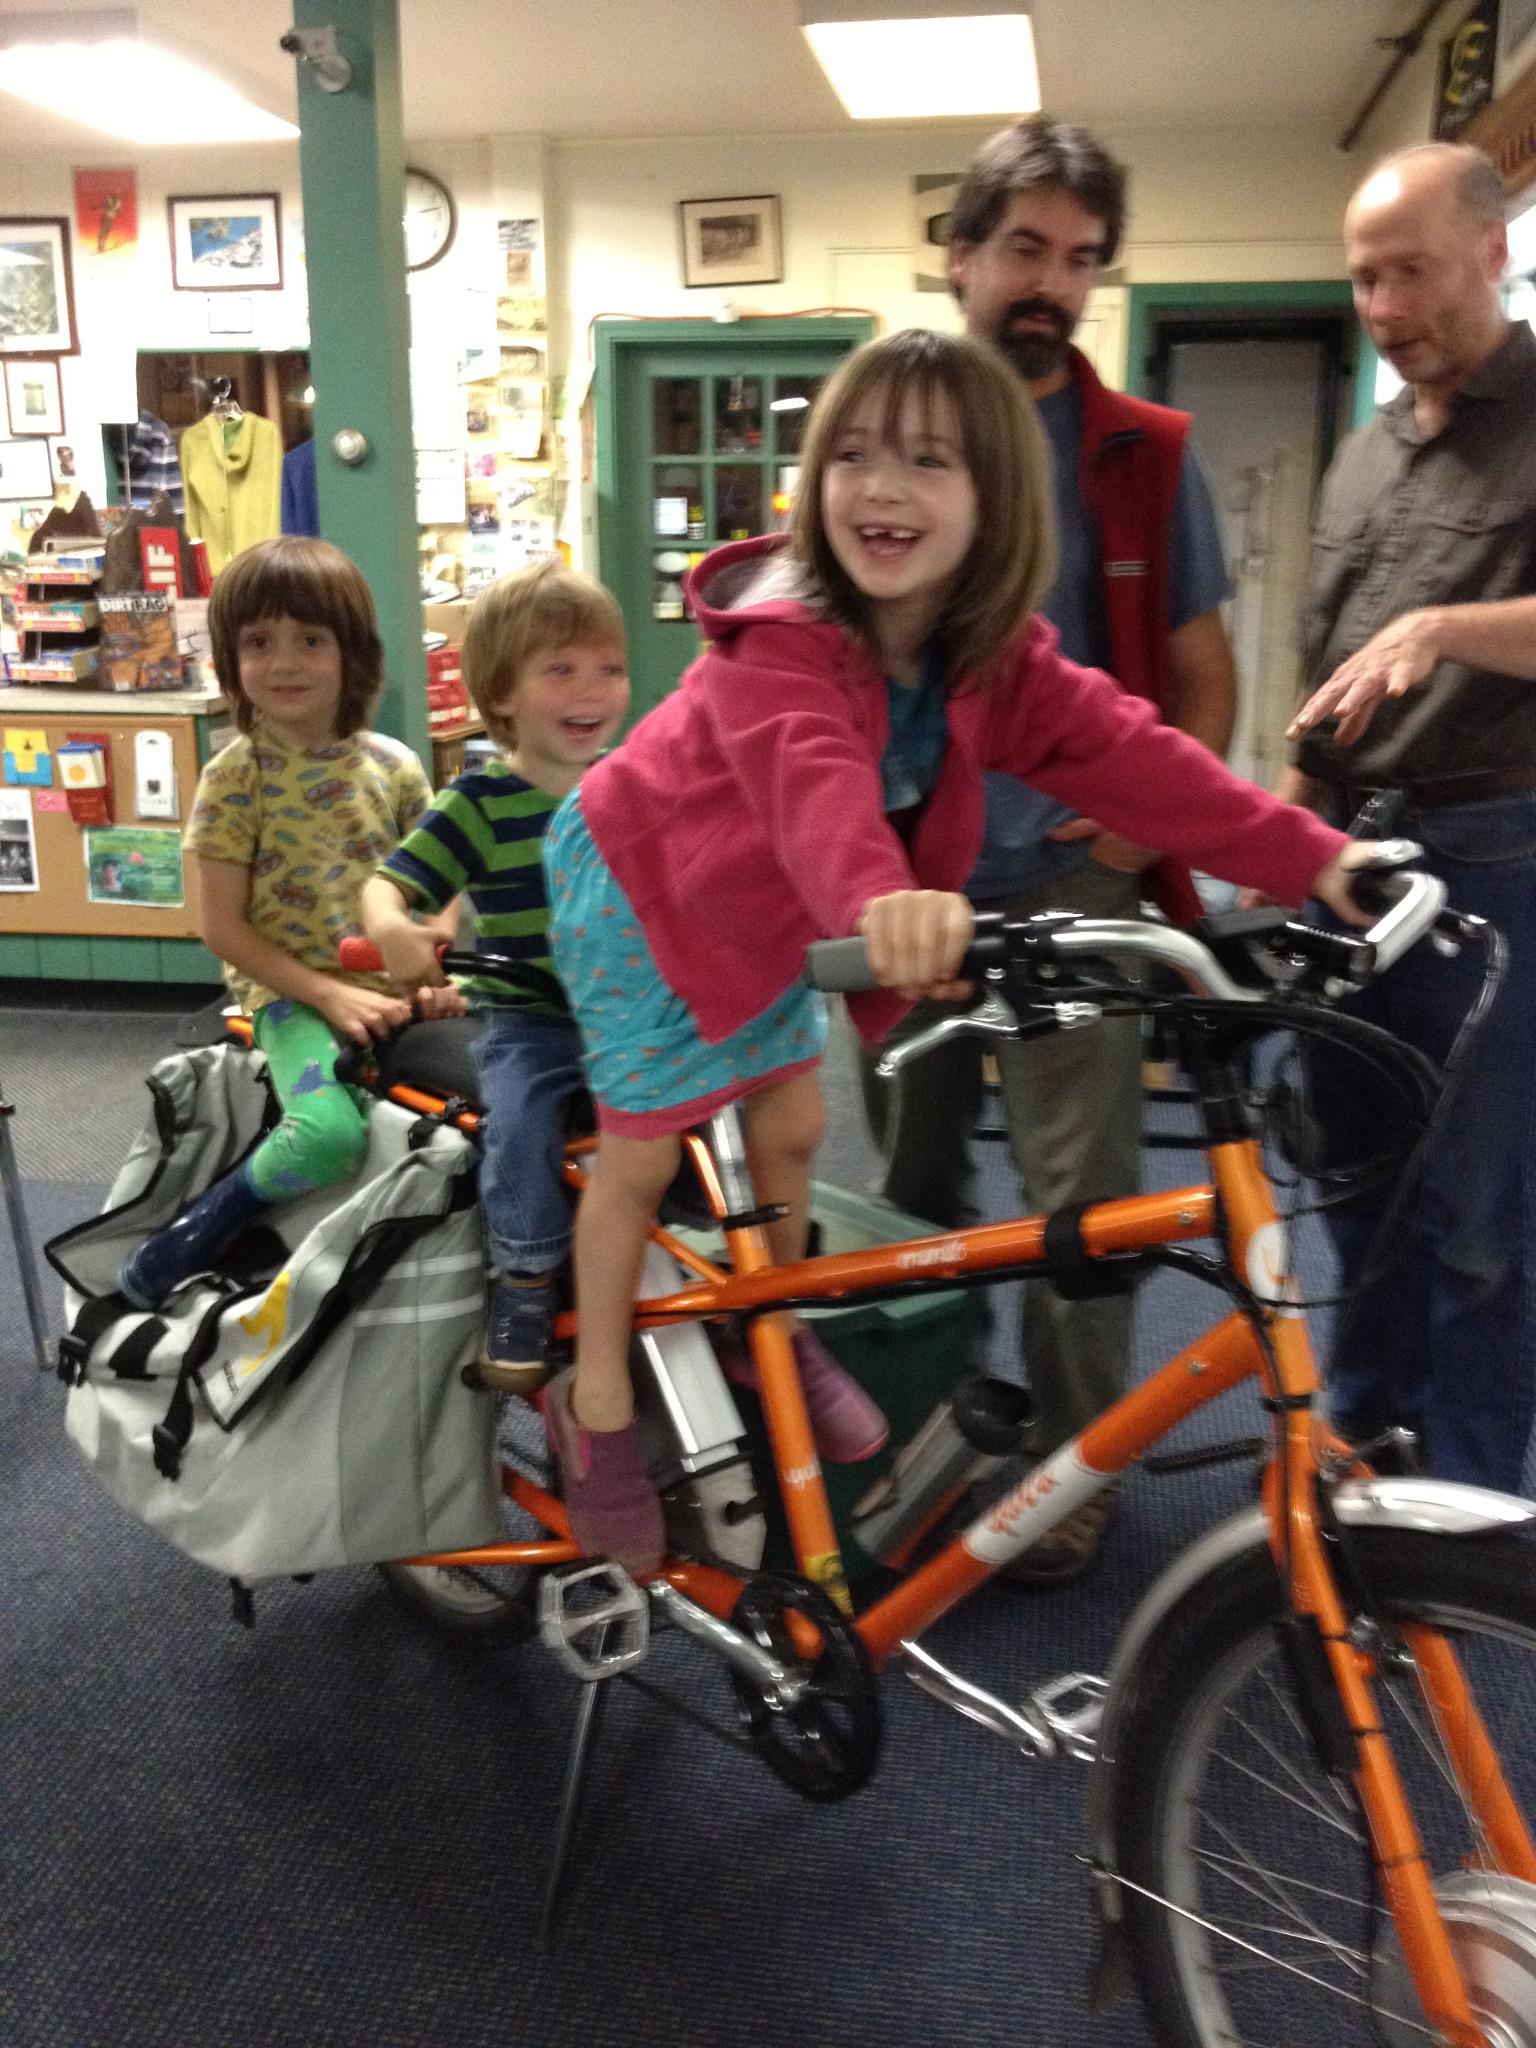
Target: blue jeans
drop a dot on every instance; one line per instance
(529, 1069)
(1444, 1340)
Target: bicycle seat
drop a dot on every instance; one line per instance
(435, 1057)
(438, 1058)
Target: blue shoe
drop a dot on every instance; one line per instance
(191, 1243)
(517, 1326)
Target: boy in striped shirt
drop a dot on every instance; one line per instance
(545, 666)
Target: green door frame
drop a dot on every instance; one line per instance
(616, 338)
(1303, 295)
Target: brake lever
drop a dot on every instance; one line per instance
(992, 1018)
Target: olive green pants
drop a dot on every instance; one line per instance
(1073, 1106)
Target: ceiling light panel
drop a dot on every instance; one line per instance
(118, 85)
(889, 61)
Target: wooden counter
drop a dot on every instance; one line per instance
(57, 931)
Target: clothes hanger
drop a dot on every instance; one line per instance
(225, 404)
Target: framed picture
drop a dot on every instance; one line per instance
(229, 242)
(37, 289)
(32, 396)
(24, 471)
(731, 241)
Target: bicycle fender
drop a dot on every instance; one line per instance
(1438, 1507)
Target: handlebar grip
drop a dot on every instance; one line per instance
(1377, 887)
(360, 956)
(839, 966)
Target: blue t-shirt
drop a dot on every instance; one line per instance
(1016, 852)
(914, 753)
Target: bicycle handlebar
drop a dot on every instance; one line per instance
(1408, 903)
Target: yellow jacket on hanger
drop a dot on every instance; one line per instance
(232, 471)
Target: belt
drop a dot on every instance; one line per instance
(1475, 788)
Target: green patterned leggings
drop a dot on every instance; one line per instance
(324, 1132)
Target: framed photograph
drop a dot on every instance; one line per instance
(25, 472)
(32, 396)
(731, 241)
(229, 242)
(37, 289)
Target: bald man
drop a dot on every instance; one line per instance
(1420, 628)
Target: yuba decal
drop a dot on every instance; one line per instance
(1011, 1509)
(949, 1253)
(1269, 1269)
(268, 1319)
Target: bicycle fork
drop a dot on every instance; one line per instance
(1348, 1725)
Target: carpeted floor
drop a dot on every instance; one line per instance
(333, 1832)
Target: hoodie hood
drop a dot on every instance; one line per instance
(744, 583)
(236, 445)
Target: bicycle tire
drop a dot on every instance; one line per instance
(1221, 1807)
(499, 1605)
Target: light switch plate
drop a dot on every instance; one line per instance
(154, 776)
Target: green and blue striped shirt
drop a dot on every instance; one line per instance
(484, 835)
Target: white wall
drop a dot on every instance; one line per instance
(1206, 205)
(126, 302)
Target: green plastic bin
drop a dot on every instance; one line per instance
(907, 1354)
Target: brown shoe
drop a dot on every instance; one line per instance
(1069, 1549)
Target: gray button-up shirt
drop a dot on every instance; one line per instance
(1408, 521)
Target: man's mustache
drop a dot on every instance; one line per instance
(1038, 309)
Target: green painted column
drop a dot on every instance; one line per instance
(352, 159)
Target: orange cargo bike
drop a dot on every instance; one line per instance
(1314, 1753)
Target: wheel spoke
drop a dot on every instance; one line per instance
(1265, 1884)
(1251, 1902)
(1307, 1805)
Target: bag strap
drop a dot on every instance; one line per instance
(97, 1315)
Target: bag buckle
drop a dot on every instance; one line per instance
(72, 1354)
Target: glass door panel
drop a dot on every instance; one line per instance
(703, 454)
(677, 416)
(739, 508)
(738, 415)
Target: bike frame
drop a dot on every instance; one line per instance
(1266, 1341)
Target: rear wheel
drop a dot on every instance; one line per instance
(1256, 1920)
(495, 1602)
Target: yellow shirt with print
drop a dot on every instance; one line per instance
(312, 825)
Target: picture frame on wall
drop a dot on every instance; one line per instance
(37, 288)
(731, 241)
(32, 396)
(227, 242)
(25, 471)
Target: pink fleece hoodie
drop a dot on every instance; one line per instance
(743, 816)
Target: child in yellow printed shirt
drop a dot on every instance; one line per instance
(289, 822)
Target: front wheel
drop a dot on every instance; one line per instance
(1251, 1904)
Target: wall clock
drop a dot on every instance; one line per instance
(430, 219)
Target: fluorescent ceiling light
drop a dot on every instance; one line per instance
(893, 60)
(116, 84)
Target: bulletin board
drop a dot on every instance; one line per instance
(62, 902)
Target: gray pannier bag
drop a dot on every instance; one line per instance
(304, 1406)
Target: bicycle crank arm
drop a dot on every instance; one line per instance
(758, 1665)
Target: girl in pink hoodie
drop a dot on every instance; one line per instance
(818, 773)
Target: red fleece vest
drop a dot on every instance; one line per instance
(1128, 473)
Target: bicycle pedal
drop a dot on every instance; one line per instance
(1072, 1707)
(595, 1619)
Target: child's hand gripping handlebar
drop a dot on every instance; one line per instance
(1407, 905)
(530, 980)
